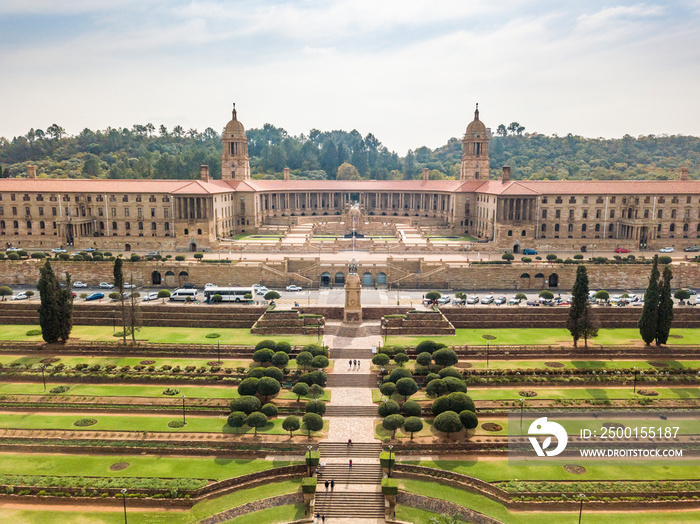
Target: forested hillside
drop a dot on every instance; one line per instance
(143, 152)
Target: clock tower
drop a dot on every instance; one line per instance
(353, 300)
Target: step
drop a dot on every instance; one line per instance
(351, 411)
(341, 449)
(350, 380)
(342, 474)
(350, 353)
(350, 504)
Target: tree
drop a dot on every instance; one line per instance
(448, 422)
(445, 357)
(119, 285)
(650, 312)
(546, 294)
(581, 321)
(5, 291)
(248, 386)
(320, 361)
(133, 313)
(56, 309)
(256, 420)
(392, 423)
(436, 388)
(413, 425)
(348, 172)
(300, 390)
(272, 295)
(316, 406)
(304, 358)
(236, 419)
(401, 358)
(424, 359)
(270, 410)
(406, 387)
(291, 424)
(602, 295)
(247, 404)
(390, 407)
(429, 346)
(263, 355)
(468, 419)
(399, 373)
(312, 422)
(380, 359)
(501, 130)
(455, 385)
(163, 293)
(387, 389)
(665, 315)
(316, 391)
(682, 294)
(411, 408)
(268, 387)
(279, 359)
(433, 295)
(507, 256)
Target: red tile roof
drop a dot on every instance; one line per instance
(592, 187)
(58, 185)
(353, 185)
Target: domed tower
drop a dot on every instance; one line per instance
(475, 151)
(235, 164)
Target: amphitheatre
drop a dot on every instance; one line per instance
(244, 412)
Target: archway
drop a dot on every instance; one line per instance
(340, 278)
(553, 280)
(539, 281)
(169, 278)
(525, 281)
(584, 249)
(367, 279)
(516, 248)
(127, 247)
(183, 277)
(381, 279)
(325, 279)
(156, 278)
(193, 247)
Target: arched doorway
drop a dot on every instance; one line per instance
(127, 247)
(516, 248)
(193, 247)
(339, 278)
(155, 278)
(169, 278)
(584, 249)
(381, 279)
(553, 280)
(183, 277)
(325, 279)
(539, 281)
(525, 281)
(367, 279)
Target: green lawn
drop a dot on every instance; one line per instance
(272, 515)
(123, 390)
(214, 468)
(494, 509)
(170, 335)
(154, 423)
(568, 364)
(539, 336)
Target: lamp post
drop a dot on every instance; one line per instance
(636, 370)
(184, 420)
(124, 499)
(218, 351)
(580, 509)
(488, 339)
(43, 376)
(390, 458)
(522, 405)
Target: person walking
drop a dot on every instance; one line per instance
(327, 484)
(332, 485)
(323, 519)
(318, 517)
(349, 442)
(350, 364)
(350, 464)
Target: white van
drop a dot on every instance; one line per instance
(182, 294)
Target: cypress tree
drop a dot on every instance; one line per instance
(665, 315)
(64, 310)
(579, 300)
(119, 284)
(48, 310)
(650, 312)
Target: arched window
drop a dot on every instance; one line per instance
(597, 227)
(127, 225)
(15, 224)
(114, 226)
(154, 226)
(42, 225)
(544, 227)
(583, 228)
(556, 228)
(2, 225)
(102, 225)
(510, 232)
(140, 226)
(29, 224)
(187, 231)
(571, 228)
(685, 227)
(672, 227)
(167, 226)
(610, 228)
(199, 231)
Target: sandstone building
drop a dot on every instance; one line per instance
(197, 215)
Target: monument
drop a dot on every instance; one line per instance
(353, 289)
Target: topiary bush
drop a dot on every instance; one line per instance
(247, 404)
(248, 387)
(275, 373)
(448, 422)
(263, 355)
(390, 407)
(269, 344)
(380, 359)
(456, 402)
(320, 361)
(429, 346)
(280, 359)
(398, 374)
(468, 419)
(387, 389)
(318, 407)
(212, 335)
(424, 359)
(33, 332)
(84, 422)
(269, 409)
(284, 347)
(411, 408)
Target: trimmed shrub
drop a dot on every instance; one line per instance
(436, 388)
(291, 424)
(455, 385)
(258, 372)
(450, 372)
(387, 389)
(413, 425)
(256, 420)
(468, 419)
(268, 387)
(392, 423)
(284, 347)
(406, 387)
(428, 346)
(275, 373)
(304, 359)
(424, 359)
(380, 359)
(300, 389)
(431, 376)
(33, 332)
(269, 344)
(248, 386)
(411, 408)
(316, 391)
(445, 357)
(280, 359)
(269, 409)
(390, 407)
(456, 402)
(320, 361)
(312, 422)
(318, 407)
(263, 355)
(448, 422)
(401, 358)
(398, 374)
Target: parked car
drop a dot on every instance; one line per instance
(691, 292)
(150, 296)
(95, 296)
(19, 296)
(547, 301)
(622, 250)
(514, 301)
(532, 303)
(666, 250)
(529, 251)
(692, 248)
(105, 285)
(459, 301)
(293, 287)
(488, 299)
(80, 284)
(152, 254)
(12, 249)
(208, 285)
(445, 299)
(90, 249)
(189, 285)
(261, 291)
(57, 250)
(129, 286)
(472, 299)
(499, 301)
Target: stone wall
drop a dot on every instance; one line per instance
(414, 500)
(257, 505)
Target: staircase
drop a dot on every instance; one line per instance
(341, 354)
(357, 450)
(342, 474)
(351, 411)
(356, 505)
(357, 380)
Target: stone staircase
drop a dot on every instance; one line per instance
(341, 354)
(351, 411)
(357, 450)
(357, 380)
(342, 474)
(356, 505)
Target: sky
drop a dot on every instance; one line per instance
(408, 71)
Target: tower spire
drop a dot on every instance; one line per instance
(234, 111)
(476, 112)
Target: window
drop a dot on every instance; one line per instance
(672, 227)
(571, 228)
(544, 227)
(114, 212)
(12, 197)
(112, 198)
(523, 233)
(139, 211)
(199, 231)
(687, 200)
(29, 224)
(154, 226)
(612, 213)
(673, 213)
(647, 199)
(40, 198)
(685, 228)
(54, 211)
(166, 212)
(125, 198)
(138, 198)
(27, 211)
(126, 211)
(660, 214)
(114, 227)
(583, 228)
(544, 200)
(558, 200)
(14, 211)
(572, 200)
(187, 231)
(153, 212)
(42, 225)
(167, 226)
(557, 213)
(571, 214)
(510, 232)
(612, 200)
(556, 228)
(101, 212)
(166, 198)
(140, 226)
(127, 225)
(2, 211)
(610, 228)
(152, 198)
(674, 200)
(544, 214)
(585, 200)
(41, 211)
(597, 227)
(585, 213)
(646, 213)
